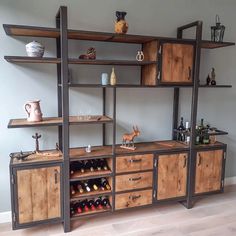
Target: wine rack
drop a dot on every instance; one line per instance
(79, 189)
(83, 207)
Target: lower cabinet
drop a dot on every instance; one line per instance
(37, 195)
(209, 167)
(172, 176)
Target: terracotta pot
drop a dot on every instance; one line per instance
(33, 110)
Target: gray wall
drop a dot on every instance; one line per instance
(150, 109)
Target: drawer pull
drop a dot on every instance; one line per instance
(185, 161)
(199, 160)
(56, 176)
(133, 198)
(135, 160)
(189, 73)
(135, 179)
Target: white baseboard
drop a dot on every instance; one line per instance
(230, 180)
(5, 217)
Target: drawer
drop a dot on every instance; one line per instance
(133, 199)
(134, 163)
(134, 181)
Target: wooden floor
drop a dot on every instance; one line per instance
(212, 216)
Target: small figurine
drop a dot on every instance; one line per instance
(121, 26)
(21, 156)
(208, 80)
(140, 56)
(213, 76)
(113, 77)
(36, 137)
(130, 139)
(91, 54)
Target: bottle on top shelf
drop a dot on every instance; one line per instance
(181, 129)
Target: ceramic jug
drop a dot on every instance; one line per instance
(33, 110)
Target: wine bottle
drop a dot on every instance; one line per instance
(104, 164)
(106, 203)
(87, 187)
(72, 209)
(93, 184)
(187, 133)
(72, 167)
(91, 205)
(181, 130)
(80, 166)
(84, 205)
(79, 208)
(98, 203)
(72, 189)
(105, 184)
(197, 140)
(88, 165)
(80, 187)
(97, 164)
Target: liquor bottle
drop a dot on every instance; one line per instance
(197, 140)
(91, 205)
(79, 187)
(72, 190)
(72, 167)
(93, 184)
(206, 137)
(104, 164)
(78, 207)
(87, 187)
(181, 130)
(105, 184)
(201, 131)
(88, 165)
(106, 203)
(98, 203)
(187, 133)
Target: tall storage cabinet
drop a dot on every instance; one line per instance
(155, 172)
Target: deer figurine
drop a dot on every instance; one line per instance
(130, 139)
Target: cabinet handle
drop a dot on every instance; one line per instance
(56, 176)
(134, 197)
(185, 161)
(135, 179)
(179, 185)
(135, 160)
(199, 160)
(189, 73)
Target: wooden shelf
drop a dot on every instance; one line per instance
(35, 31)
(212, 45)
(97, 152)
(90, 194)
(95, 212)
(111, 62)
(89, 174)
(25, 59)
(57, 121)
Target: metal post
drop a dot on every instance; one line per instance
(114, 122)
(104, 113)
(175, 112)
(65, 114)
(59, 95)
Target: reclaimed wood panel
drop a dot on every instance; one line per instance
(208, 171)
(134, 163)
(149, 72)
(133, 199)
(172, 176)
(177, 63)
(134, 181)
(38, 194)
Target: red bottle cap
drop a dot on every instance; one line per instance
(79, 210)
(86, 208)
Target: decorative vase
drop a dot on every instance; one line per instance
(121, 26)
(113, 77)
(33, 111)
(34, 49)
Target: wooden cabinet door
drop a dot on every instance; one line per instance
(38, 195)
(177, 63)
(172, 176)
(208, 171)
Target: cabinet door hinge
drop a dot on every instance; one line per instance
(225, 155)
(159, 75)
(222, 183)
(154, 194)
(12, 179)
(14, 217)
(160, 49)
(155, 163)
